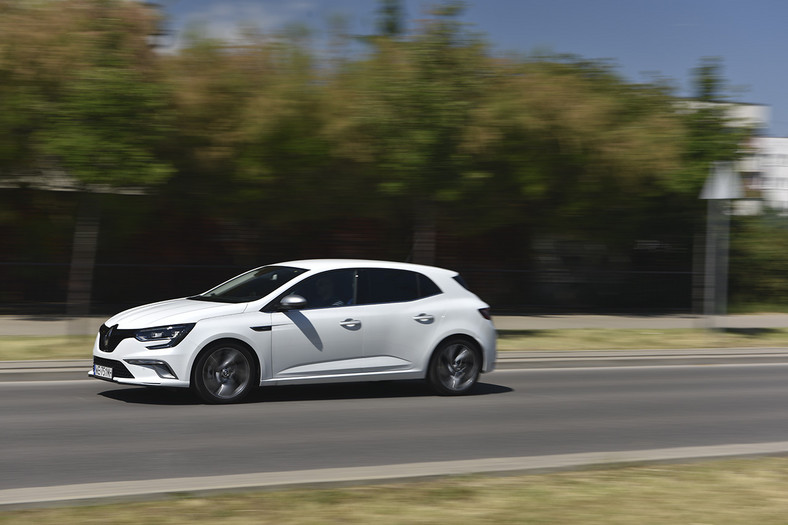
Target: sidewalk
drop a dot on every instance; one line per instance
(687, 321)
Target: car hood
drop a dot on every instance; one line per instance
(174, 311)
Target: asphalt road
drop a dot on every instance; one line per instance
(71, 432)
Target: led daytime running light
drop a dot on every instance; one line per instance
(170, 335)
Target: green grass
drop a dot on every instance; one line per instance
(740, 491)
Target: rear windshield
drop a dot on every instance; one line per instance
(250, 286)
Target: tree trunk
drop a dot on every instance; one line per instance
(83, 257)
(424, 235)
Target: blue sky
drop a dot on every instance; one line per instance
(643, 38)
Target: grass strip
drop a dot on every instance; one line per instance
(20, 348)
(733, 491)
(630, 339)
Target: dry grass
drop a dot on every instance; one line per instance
(17, 348)
(607, 339)
(718, 492)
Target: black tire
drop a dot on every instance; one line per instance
(454, 367)
(224, 373)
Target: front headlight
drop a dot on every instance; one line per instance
(168, 335)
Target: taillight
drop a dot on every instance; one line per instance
(485, 313)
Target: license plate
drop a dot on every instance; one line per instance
(102, 371)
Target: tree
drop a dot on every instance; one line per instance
(251, 133)
(759, 253)
(87, 106)
(412, 100)
(571, 140)
(390, 18)
(87, 86)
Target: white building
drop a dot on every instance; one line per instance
(765, 174)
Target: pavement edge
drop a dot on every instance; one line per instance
(85, 493)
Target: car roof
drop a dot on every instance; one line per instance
(333, 264)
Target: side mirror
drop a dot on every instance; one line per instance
(292, 302)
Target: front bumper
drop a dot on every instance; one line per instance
(132, 363)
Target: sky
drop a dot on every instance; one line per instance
(642, 39)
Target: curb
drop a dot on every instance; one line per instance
(51, 370)
(124, 490)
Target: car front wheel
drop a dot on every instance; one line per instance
(224, 373)
(454, 367)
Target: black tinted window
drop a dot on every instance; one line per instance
(377, 286)
(427, 288)
(327, 289)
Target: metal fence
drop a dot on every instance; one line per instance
(42, 288)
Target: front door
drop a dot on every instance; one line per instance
(324, 338)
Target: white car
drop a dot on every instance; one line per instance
(303, 322)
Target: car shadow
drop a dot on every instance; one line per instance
(280, 394)
(141, 395)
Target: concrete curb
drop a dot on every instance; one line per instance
(120, 490)
(62, 369)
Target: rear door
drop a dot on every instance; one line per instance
(402, 310)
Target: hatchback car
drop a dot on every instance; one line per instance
(303, 322)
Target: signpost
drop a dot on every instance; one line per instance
(722, 186)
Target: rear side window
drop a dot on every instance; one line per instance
(462, 282)
(377, 285)
(427, 288)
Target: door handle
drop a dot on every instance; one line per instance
(351, 324)
(424, 318)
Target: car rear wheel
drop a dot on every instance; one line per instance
(454, 367)
(224, 373)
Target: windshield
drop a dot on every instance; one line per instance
(250, 286)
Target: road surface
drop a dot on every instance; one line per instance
(72, 432)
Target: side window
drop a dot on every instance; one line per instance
(376, 286)
(427, 288)
(328, 289)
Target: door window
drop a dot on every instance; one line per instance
(328, 289)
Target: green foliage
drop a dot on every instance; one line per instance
(105, 129)
(711, 135)
(425, 129)
(412, 101)
(390, 18)
(707, 80)
(568, 146)
(85, 94)
(759, 257)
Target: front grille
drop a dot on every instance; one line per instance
(118, 368)
(110, 337)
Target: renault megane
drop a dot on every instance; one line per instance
(305, 322)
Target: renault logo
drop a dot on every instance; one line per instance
(105, 339)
